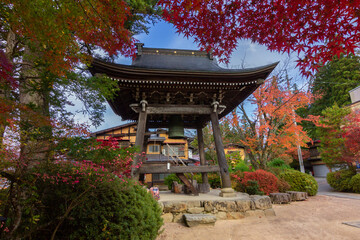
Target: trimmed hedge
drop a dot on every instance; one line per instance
(266, 181)
(299, 181)
(355, 183)
(340, 180)
(112, 208)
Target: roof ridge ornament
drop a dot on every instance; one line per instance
(139, 48)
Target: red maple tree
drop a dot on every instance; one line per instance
(351, 135)
(319, 29)
(272, 131)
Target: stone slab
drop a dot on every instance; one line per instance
(280, 198)
(193, 220)
(297, 196)
(353, 224)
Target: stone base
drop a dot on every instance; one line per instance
(227, 193)
(241, 206)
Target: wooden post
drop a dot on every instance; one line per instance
(226, 190)
(205, 179)
(140, 133)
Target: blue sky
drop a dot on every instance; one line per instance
(162, 35)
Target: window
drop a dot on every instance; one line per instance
(159, 176)
(175, 150)
(124, 144)
(154, 148)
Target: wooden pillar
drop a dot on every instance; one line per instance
(200, 136)
(226, 191)
(140, 133)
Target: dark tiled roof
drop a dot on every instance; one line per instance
(173, 62)
(178, 59)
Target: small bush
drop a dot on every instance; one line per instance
(109, 208)
(267, 181)
(282, 185)
(168, 180)
(252, 188)
(340, 180)
(355, 183)
(278, 163)
(299, 181)
(214, 180)
(242, 167)
(277, 166)
(197, 177)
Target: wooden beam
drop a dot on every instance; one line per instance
(187, 183)
(224, 168)
(148, 168)
(178, 109)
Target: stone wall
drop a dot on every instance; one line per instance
(173, 211)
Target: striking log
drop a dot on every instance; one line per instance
(187, 183)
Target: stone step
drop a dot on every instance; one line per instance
(297, 196)
(193, 220)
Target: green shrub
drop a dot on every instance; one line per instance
(282, 185)
(278, 163)
(277, 166)
(299, 181)
(242, 167)
(214, 180)
(111, 208)
(197, 177)
(340, 180)
(355, 183)
(252, 188)
(168, 180)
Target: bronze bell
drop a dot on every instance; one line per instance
(176, 127)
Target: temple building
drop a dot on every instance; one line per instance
(177, 89)
(160, 149)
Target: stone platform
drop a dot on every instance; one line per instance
(174, 206)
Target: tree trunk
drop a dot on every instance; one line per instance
(34, 137)
(4, 93)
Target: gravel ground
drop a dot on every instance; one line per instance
(319, 217)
